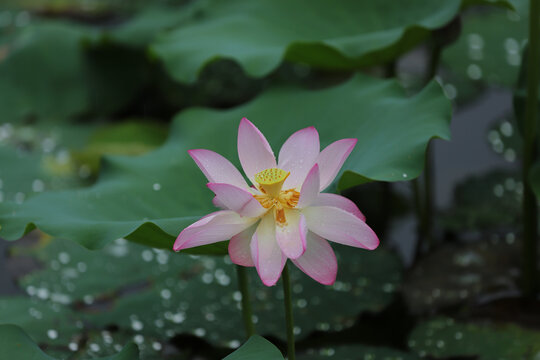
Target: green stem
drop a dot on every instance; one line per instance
(427, 222)
(418, 207)
(530, 210)
(425, 210)
(287, 300)
(247, 313)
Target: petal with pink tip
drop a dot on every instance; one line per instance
(217, 203)
(319, 261)
(254, 150)
(340, 226)
(215, 227)
(216, 168)
(237, 199)
(291, 237)
(298, 154)
(331, 159)
(310, 188)
(239, 247)
(338, 201)
(265, 252)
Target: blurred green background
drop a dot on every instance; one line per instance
(100, 100)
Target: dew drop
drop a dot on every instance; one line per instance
(64, 257)
(474, 72)
(136, 325)
(38, 185)
(19, 197)
(52, 334)
(156, 186)
(200, 332)
(165, 294)
(139, 339)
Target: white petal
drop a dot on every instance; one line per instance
(265, 252)
(291, 237)
(340, 226)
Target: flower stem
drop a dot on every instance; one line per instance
(530, 208)
(247, 313)
(287, 300)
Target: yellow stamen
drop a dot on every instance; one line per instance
(271, 180)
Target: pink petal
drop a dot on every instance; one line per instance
(291, 237)
(298, 154)
(310, 188)
(217, 203)
(237, 199)
(265, 252)
(340, 226)
(215, 227)
(319, 261)
(338, 201)
(216, 168)
(253, 150)
(239, 247)
(331, 159)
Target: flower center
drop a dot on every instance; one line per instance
(270, 183)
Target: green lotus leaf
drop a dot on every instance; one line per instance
(150, 198)
(261, 35)
(256, 348)
(444, 338)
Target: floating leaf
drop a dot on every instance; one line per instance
(489, 49)
(443, 338)
(356, 352)
(256, 348)
(485, 202)
(150, 198)
(151, 293)
(16, 344)
(53, 90)
(127, 138)
(143, 27)
(261, 35)
(456, 274)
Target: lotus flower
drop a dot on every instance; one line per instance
(283, 215)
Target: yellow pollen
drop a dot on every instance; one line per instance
(271, 182)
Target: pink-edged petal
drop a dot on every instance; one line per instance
(217, 203)
(291, 237)
(298, 154)
(319, 261)
(254, 150)
(331, 159)
(237, 199)
(338, 201)
(216, 168)
(310, 188)
(239, 247)
(265, 252)
(215, 227)
(340, 226)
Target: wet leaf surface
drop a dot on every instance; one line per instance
(157, 294)
(150, 198)
(443, 337)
